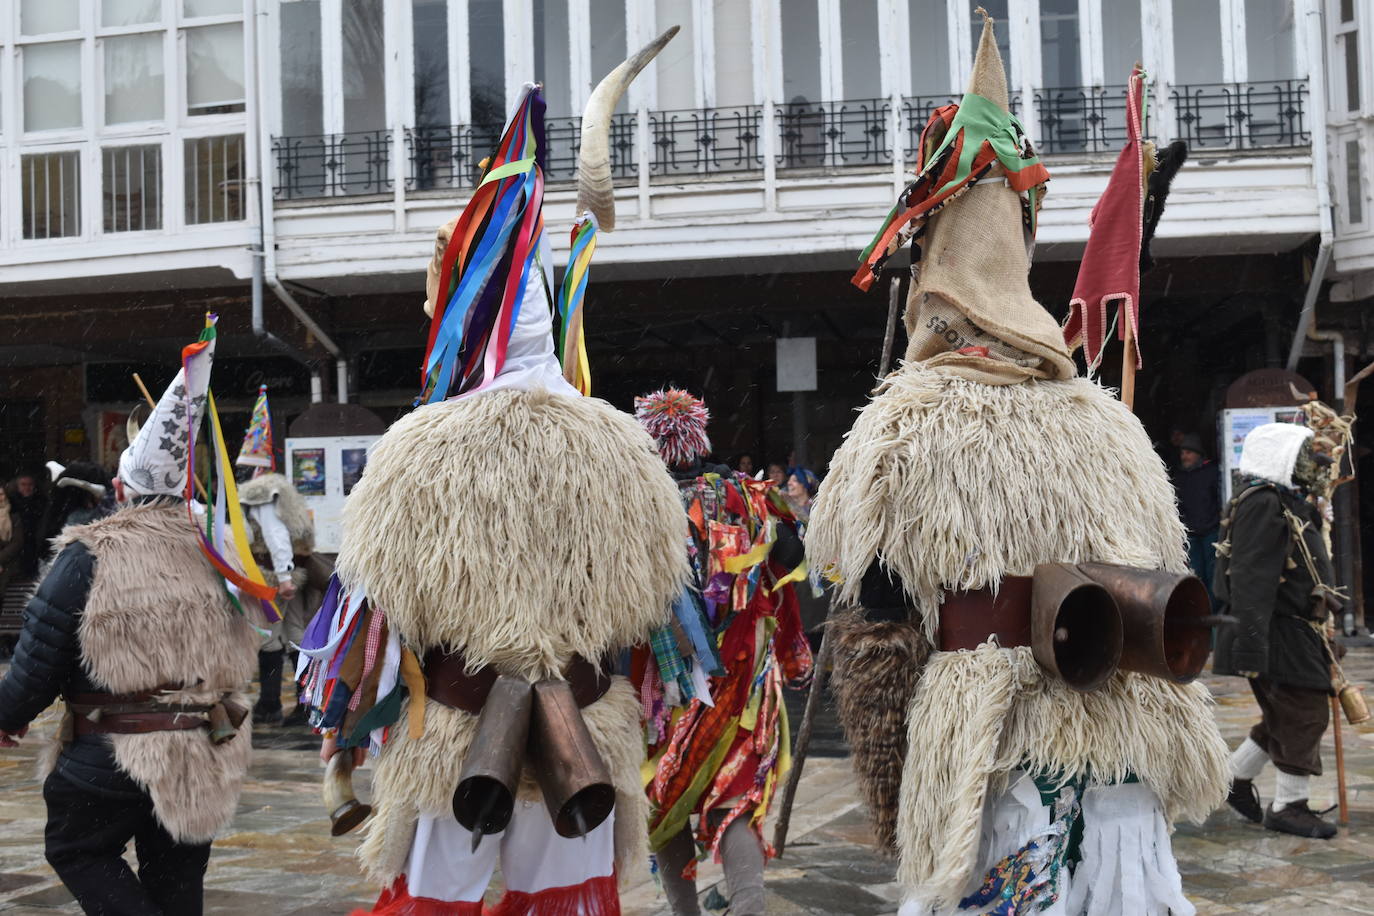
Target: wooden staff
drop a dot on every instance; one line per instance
(1127, 358)
(813, 697)
(1343, 803)
(152, 406)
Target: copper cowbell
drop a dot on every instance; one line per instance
(1166, 619)
(485, 798)
(1075, 627)
(572, 776)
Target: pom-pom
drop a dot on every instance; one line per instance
(677, 421)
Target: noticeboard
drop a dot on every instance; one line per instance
(324, 470)
(1236, 424)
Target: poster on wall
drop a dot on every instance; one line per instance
(1236, 424)
(325, 469)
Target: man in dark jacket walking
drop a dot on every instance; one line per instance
(1197, 481)
(1274, 574)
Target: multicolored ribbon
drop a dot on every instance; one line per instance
(227, 550)
(572, 342)
(488, 261)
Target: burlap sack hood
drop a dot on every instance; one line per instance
(972, 284)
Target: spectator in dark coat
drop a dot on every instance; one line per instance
(1273, 574)
(1197, 481)
(29, 502)
(81, 494)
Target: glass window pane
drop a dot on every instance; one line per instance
(132, 188)
(302, 82)
(1354, 184)
(129, 12)
(1121, 45)
(133, 78)
(608, 41)
(1352, 70)
(43, 17)
(1269, 39)
(214, 69)
(211, 7)
(801, 52)
(1059, 43)
(431, 63)
(50, 184)
(859, 51)
(677, 83)
(734, 54)
(930, 43)
(214, 179)
(1197, 36)
(997, 9)
(1347, 10)
(52, 85)
(487, 69)
(364, 82)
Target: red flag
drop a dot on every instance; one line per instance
(1110, 270)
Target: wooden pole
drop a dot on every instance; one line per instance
(818, 670)
(1128, 360)
(1343, 803)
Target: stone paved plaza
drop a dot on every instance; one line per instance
(278, 858)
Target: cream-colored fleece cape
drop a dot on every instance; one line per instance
(158, 613)
(955, 484)
(519, 527)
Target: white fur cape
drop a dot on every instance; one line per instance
(519, 527)
(158, 613)
(955, 484)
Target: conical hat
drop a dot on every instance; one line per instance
(155, 462)
(256, 451)
(972, 288)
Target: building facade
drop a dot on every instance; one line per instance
(286, 162)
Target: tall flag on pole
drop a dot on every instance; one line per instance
(1110, 270)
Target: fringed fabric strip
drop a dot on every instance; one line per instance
(593, 897)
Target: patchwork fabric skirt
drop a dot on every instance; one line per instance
(1104, 851)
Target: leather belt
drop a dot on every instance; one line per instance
(448, 681)
(969, 619)
(138, 713)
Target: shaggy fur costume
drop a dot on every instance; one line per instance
(876, 660)
(158, 613)
(291, 509)
(520, 528)
(952, 483)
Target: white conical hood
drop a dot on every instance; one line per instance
(1271, 452)
(155, 462)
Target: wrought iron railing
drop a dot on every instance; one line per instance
(834, 134)
(565, 138)
(1242, 115)
(1080, 119)
(706, 141)
(843, 134)
(332, 165)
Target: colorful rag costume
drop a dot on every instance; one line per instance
(978, 459)
(133, 626)
(720, 757)
(509, 532)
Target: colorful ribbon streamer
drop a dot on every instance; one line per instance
(572, 341)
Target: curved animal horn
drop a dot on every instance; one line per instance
(595, 191)
(133, 423)
(345, 811)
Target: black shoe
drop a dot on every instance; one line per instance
(1299, 820)
(297, 716)
(266, 716)
(1244, 798)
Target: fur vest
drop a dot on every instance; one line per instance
(291, 509)
(158, 613)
